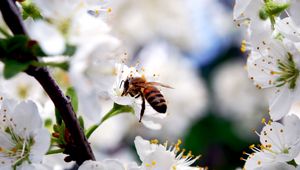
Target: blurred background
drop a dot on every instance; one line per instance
(193, 46)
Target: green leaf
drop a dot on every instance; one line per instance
(58, 117)
(81, 122)
(31, 10)
(13, 67)
(56, 128)
(70, 50)
(56, 151)
(293, 163)
(4, 32)
(36, 50)
(74, 99)
(17, 43)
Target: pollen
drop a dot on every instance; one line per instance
(153, 163)
(109, 10)
(177, 146)
(14, 150)
(252, 146)
(154, 141)
(243, 46)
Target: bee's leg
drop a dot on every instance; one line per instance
(143, 106)
(137, 96)
(132, 95)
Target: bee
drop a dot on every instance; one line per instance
(139, 87)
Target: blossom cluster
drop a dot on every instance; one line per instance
(273, 64)
(76, 44)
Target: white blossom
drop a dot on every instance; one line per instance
(288, 28)
(65, 22)
(23, 138)
(277, 70)
(156, 156)
(92, 73)
(102, 165)
(279, 143)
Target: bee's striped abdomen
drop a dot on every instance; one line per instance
(155, 99)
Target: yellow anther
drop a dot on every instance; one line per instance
(154, 141)
(263, 120)
(252, 146)
(14, 150)
(243, 46)
(153, 163)
(269, 122)
(109, 10)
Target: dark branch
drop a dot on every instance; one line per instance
(81, 150)
(11, 16)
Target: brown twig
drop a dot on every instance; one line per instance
(81, 150)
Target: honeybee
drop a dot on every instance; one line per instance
(139, 87)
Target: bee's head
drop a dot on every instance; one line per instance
(126, 86)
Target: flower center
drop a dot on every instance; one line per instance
(288, 73)
(20, 149)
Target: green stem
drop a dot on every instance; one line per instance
(63, 65)
(91, 130)
(117, 109)
(55, 151)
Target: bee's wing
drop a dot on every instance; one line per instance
(159, 84)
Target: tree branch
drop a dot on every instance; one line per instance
(81, 150)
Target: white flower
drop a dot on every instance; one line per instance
(288, 28)
(23, 139)
(108, 164)
(277, 70)
(49, 38)
(92, 72)
(279, 143)
(256, 10)
(251, 13)
(102, 165)
(150, 117)
(294, 11)
(157, 157)
(23, 87)
(261, 161)
(66, 22)
(245, 10)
